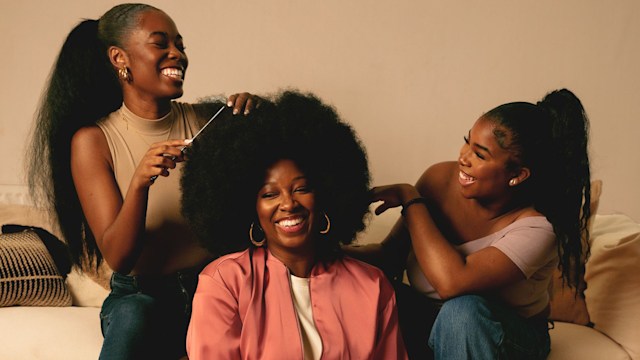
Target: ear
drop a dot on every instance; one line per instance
(118, 57)
(521, 175)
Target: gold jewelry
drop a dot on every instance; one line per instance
(256, 243)
(124, 74)
(513, 182)
(326, 230)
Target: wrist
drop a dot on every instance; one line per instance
(408, 193)
(413, 201)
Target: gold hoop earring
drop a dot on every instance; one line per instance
(124, 74)
(256, 243)
(325, 231)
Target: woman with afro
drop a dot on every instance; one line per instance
(277, 195)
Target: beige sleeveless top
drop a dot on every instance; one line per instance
(129, 137)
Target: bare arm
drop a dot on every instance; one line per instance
(117, 224)
(447, 270)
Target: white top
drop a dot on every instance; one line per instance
(311, 342)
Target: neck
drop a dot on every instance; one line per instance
(298, 264)
(148, 109)
(497, 209)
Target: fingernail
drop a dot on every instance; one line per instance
(246, 112)
(235, 111)
(188, 141)
(229, 103)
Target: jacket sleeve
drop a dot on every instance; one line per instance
(215, 327)
(389, 344)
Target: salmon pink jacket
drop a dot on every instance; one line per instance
(243, 309)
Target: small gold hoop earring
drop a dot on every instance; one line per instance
(124, 74)
(256, 243)
(328, 225)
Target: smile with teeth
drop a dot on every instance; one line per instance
(174, 73)
(290, 224)
(465, 178)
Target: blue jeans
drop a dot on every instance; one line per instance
(146, 317)
(473, 327)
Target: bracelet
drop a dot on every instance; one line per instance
(418, 200)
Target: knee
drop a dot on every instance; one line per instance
(134, 312)
(464, 316)
(466, 328)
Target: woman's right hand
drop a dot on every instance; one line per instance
(159, 159)
(392, 196)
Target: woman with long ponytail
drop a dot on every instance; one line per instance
(105, 158)
(480, 237)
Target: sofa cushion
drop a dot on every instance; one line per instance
(36, 217)
(85, 291)
(51, 333)
(28, 273)
(613, 278)
(571, 341)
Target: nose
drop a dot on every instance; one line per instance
(176, 53)
(464, 156)
(288, 202)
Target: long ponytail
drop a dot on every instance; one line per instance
(550, 138)
(82, 88)
(566, 204)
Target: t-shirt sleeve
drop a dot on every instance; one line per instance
(530, 247)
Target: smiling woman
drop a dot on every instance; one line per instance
(111, 138)
(481, 251)
(296, 177)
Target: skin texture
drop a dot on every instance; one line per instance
(287, 199)
(467, 200)
(152, 50)
(154, 55)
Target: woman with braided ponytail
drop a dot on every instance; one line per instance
(480, 237)
(108, 134)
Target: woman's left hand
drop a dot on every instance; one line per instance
(243, 102)
(392, 196)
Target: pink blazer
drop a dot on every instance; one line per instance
(243, 309)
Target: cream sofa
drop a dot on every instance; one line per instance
(47, 332)
(73, 331)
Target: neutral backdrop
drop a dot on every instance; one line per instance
(410, 76)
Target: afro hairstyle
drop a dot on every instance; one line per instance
(226, 167)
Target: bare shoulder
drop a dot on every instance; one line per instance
(90, 143)
(437, 178)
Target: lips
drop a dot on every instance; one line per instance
(465, 179)
(291, 224)
(173, 73)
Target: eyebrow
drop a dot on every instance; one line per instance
(164, 34)
(483, 148)
(301, 177)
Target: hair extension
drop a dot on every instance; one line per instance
(82, 88)
(550, 138)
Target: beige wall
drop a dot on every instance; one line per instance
(411, 76)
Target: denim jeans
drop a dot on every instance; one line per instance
(146, 317)
(474, 327)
